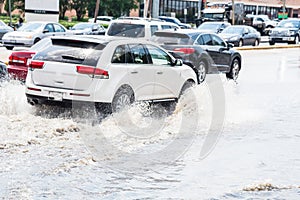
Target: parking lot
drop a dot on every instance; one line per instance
(45, 151)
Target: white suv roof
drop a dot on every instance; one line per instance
(136, 27)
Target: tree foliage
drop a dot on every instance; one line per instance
(80, 6)
(114, 8)
(64, 5)
(15, 4)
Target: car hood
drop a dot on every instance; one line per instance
(5, 29)
(227, 36)
(19, 34)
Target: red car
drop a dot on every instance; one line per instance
(18, 61)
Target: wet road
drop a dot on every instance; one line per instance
(46, 152)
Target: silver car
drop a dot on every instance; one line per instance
(4, 29)
(32, 32)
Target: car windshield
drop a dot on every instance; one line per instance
(233, 30)
(289, 24)
(82, 26)
(213, 15)
(176, 20)
(126, 30)
(31, 27)
(209, 26)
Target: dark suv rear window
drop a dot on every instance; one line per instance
(171, 38)
(126, 30)
(71, 51)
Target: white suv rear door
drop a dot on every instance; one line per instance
(140, 72)
(168, 81)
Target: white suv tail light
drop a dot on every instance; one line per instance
(94, 72)
(36, 64)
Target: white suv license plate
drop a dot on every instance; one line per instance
(56, 96)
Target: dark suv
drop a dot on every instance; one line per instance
(204, 52)
(287, 31)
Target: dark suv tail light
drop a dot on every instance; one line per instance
(95, 72)
(185, 50)
(36, 64)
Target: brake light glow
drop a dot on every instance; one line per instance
(20, 58)
(94, 72)
(185, 50)
(36, 64)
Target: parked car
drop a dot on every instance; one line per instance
(85, 28)
(18, 60)
(3, 72)
(287, 31)
(214, 27)
(103, 20)
(261, 23)
(175, 21)
(32, 32)
(4, 29)
(110, 72)
(204, 52)
(241, 35)
(135, 27)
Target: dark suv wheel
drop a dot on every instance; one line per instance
(235, 70)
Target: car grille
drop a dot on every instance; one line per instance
(280, 33)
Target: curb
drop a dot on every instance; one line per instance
(269, 47)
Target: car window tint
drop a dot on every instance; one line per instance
(194, 37)
(166, 27)
(158, 56)
(58, 28)
(122, 55)
(138, 54)
(200, 40)
(68, 51)
(207, 40)
(217, 41)
(49, 27)
(171, 38)
(126, 30)
(153, 29)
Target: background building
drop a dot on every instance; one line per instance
(186, 10)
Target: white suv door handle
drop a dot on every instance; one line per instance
(159, 72)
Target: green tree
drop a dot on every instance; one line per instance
(64, 5)
(114, 8)
(15, 4)
(80, 6)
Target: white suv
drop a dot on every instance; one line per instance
(135, 27)
(114, 73)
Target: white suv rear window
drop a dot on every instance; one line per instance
(71, 51)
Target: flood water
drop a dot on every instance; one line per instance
(225, 140)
